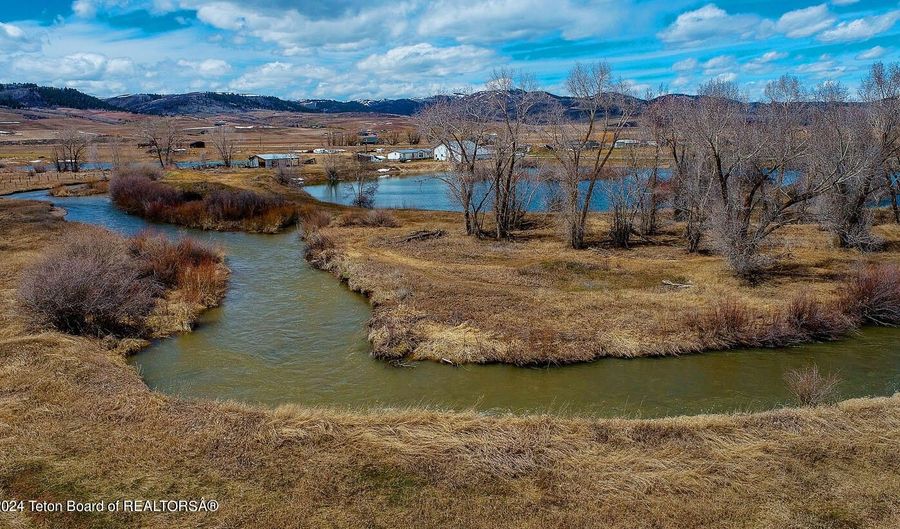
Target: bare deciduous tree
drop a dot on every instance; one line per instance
(583, 146)
(458, 122)
(332, 166)
(162, 136)
(360, 186)
(225, 143)
(70, 150)
(880, 91)
(843, 154)
(511, 99)
(753, 160)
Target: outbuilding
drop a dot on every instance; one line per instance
(274, 160)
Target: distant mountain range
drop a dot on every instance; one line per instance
(26, 95)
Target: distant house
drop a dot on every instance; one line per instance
(369, 140)
(446, 153)
(626, 143)
(274, 160)
(403, 155)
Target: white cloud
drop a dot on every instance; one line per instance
(844, 2)
(861, 28)
(485, 21)
(426, 60)
(207, 68)
(685, 65)
(805, 22)
(711, 22)
(84, 8)
(764, 61)
(14, 38)
(824, 68)
(279, 75)
(681, 81)
(293, 31)
(727, 77)
(720, 64)
(871, 53)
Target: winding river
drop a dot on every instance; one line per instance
(287, 333)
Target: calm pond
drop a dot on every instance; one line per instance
(287, 333)
(432, 193)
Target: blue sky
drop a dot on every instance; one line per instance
(407, 48)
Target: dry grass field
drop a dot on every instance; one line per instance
(76, 422)
(536, 301)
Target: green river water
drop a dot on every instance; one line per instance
(287, 333)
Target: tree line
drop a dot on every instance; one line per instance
(731, 171)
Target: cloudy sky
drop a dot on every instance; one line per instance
(377, 49)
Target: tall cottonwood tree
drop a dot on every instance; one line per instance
(583, 144)
(511, 99)
(880, 92)
(70, 150)
(460, 122)
(843, 154)
(162, 136)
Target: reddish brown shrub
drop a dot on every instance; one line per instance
(221, 209)
(202, 283)
(89, 285)
(872, 294)
(727, 323)
(165, 261)
(806, 319)
(313, 219)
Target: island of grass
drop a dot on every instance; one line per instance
(442, 295)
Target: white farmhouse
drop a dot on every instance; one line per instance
(445, 152)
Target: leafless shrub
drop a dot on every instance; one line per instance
(728, 322)
(219, 209)
(810, 387)
(39, 169)
(807, 319)
(150, 172)
(164, 260)
(331, 164)
(375, 218)
(313, 219)
(89, 285)
(872, 294)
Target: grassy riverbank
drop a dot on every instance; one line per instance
(78, 423)
(535, 301)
